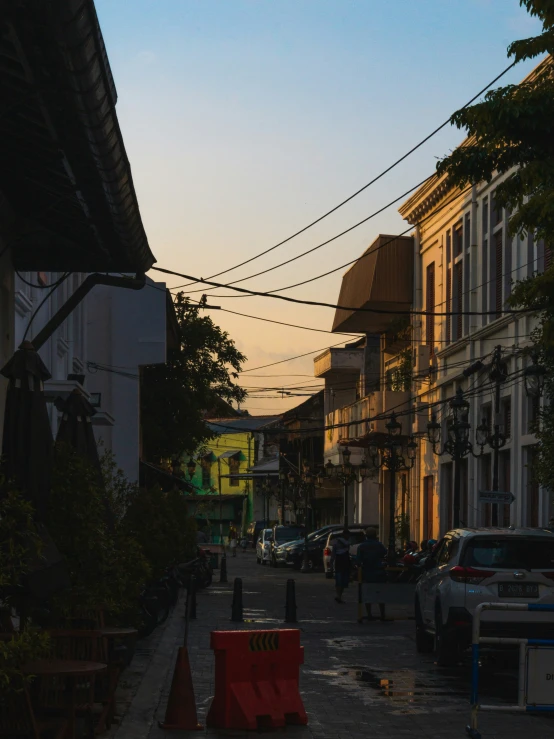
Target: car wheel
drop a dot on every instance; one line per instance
(424, 641)
(446, 643)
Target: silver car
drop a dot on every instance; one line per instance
(473, 566)
(263, 546)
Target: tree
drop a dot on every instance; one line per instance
(512, 133)
(199, 374)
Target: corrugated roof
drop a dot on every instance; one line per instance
(238, 425)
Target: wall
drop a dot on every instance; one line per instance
(126, 330)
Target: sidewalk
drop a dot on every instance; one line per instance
(358, 681)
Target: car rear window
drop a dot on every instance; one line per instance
(287, 533)
(510, 553)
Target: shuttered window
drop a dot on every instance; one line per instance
(430, 307)
(448, 301)
(507, 417)
(459, 277)
(498, 244)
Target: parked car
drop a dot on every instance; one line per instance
(357, 535)
(254, 530)
(292, 553)
(283, 535)
(263, 546)
(473, 566)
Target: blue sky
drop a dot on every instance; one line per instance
(246, 119)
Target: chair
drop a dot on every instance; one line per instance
(57, 694)
(18, 719)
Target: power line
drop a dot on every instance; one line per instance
(43, 301)
(298, 356)
(366, 254)
(324, 243)
(354, 309)
(371, 182)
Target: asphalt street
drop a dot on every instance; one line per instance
(358, 681)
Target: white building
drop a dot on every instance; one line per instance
(98, 350)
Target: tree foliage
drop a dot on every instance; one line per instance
(511, 133)
(199, 373)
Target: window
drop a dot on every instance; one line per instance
(95, 400)
(532, 487)
(206, 474)
(458, 240)
(459, 278)
(485, 215)
(428, 507)
(430, 307)
(507, 417)
(498, 247)
(496, 211)
(448, 302)
(504, 484)
(448, 551)
(234, 464)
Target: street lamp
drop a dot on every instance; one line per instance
(191, 467)
(391, 456)
(457, 444)
(534, 377)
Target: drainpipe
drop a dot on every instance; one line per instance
(132, 283)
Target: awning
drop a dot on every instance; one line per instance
(232, 453)
(382, 279)
(67, 200)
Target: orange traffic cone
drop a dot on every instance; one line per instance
(181, 706)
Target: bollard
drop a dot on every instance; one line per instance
(236, 608)
(290, 606)
(223, 569)
(191, 593)
(360, 599)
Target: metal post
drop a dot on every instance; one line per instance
(456, 503)
(496, 435)
(346, 503)
(220, 504)
(391, 555)
(306, 559)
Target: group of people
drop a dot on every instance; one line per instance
(369, 557)
(232, 537)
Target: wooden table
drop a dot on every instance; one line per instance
(117, 632)
(110, 633)
(69, 668)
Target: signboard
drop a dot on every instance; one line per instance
(495, 496)
(540, 676)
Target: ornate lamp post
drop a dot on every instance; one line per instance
(457, 445)
(534, 377)
(391, 455)
(346, 473)
(191, 467)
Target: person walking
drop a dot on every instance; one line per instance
(370, 557)
(340, 559)
(233, 539)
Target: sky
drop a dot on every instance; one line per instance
(245, 120)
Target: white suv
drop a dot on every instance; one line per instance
(472, 566)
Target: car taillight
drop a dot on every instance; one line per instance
(549, 575)
(327, 552)
(469, 575)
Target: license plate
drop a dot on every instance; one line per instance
(518, 590)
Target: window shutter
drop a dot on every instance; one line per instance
(448, 302)
(430, 307)
(459, 298)
(498, 272)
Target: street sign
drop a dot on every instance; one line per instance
(494, 496)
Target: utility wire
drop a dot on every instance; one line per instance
(378, 311)
(43, 301)
(371, 182)
(324, 243)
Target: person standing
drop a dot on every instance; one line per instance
(370, 557)
(233, 539)
(340, 559)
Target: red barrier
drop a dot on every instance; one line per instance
(256, 679)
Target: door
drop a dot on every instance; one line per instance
(428, 507)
